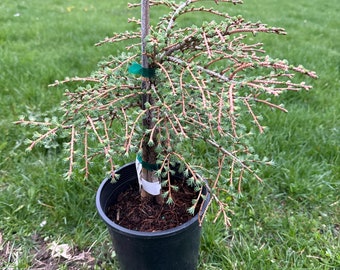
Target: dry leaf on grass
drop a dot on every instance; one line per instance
(60, 250)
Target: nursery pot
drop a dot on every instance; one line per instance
(172, 249)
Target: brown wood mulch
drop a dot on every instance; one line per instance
(131, 212)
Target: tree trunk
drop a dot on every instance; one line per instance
(148, 152)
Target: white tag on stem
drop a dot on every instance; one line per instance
(153, 188)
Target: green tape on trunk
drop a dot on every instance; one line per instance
(145, 165)
(137, 69)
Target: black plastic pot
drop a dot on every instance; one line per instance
(173, 249)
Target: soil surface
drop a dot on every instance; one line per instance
(133, 213)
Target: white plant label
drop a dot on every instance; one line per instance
(153, 188)
(139, 172)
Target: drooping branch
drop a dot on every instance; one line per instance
(233, 157)
(74, 79)
(255, 118)
(271, 104)
(208, 71)
(71, 158)
(120, 37)
(176, 13)
(105, 145)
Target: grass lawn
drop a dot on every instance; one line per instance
(291, 221)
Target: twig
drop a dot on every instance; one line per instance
(199, 86)
(271, 104)
(86, 153)
(206, 44)
(72, 140)
(168, 77)
(253, 115)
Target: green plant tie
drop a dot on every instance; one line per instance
(137, 69)
(145, 165)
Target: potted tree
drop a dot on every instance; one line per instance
(178, 101)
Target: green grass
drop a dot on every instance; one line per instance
(291, 221)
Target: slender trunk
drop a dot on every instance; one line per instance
(148, 152)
